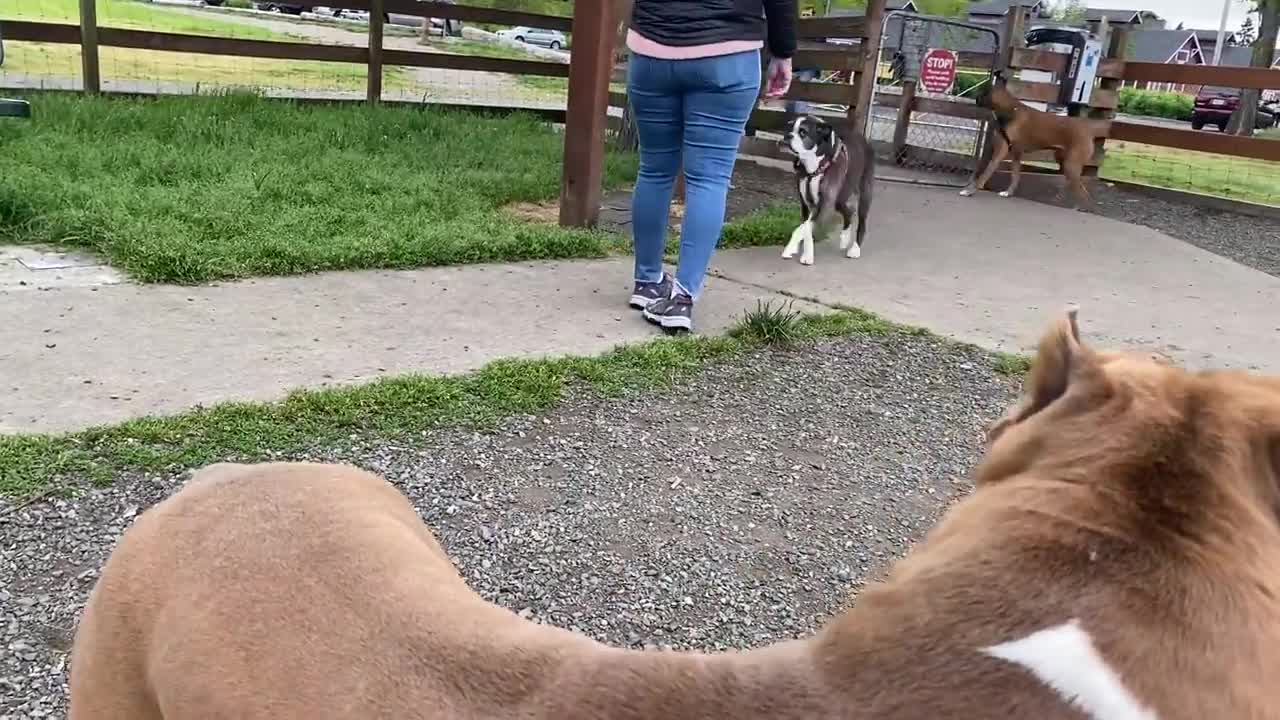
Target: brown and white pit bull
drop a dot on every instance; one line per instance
(1119, 559)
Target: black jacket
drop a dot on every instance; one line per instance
(681, 23)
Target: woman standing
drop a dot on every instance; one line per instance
(693, 80)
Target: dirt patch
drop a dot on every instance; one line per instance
(543, 212)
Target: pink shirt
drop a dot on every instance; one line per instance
(642, 45)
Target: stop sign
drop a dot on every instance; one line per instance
(938, 70)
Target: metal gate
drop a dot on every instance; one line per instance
(921, 120)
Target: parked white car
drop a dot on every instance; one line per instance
(553, 39)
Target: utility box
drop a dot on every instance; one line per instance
(1084, 55)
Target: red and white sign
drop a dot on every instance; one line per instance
(938, 70)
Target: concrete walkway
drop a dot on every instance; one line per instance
(75, 353)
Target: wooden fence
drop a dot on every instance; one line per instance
(593, 29)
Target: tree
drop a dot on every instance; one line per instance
(1072, 12)
(1264, 47)
(1248, 32)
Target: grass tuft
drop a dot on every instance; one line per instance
(1011, 364)
(768, 324)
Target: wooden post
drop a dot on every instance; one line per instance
(1117, 48)
(904, 121)
(374, 84)
(590, 65)
(89, 46)
(1010, 38)
(864, 87)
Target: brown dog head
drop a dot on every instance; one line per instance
(994, 95)
(1174, 447)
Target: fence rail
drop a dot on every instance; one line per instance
(857, 61)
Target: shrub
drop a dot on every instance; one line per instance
(242, 4)
(1173, 106)
(966, 82)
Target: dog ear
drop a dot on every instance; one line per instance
(825, 132)
(1061, 360)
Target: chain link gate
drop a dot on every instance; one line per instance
(934, 66)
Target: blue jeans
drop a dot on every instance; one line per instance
(695, 109)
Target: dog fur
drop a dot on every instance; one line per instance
(1118, 559)
(1021, 129)
(829, 171)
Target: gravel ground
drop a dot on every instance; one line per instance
(1248, 240)
(740, 508)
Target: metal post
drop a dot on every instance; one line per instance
(1222, 32)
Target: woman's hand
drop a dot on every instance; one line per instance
(778, 78)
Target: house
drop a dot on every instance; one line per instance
(1127, 19)
(1241, 56)
(1171, 47)
(1208, 40)
(992, 12)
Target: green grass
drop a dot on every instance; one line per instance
(134, 15)
(1223, 175)
(392, 410)
(127, 64)
(187, 190)
(1011, 364)
(770, 225)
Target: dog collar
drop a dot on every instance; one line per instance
(826, 162)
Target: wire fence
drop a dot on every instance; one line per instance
(925, 65)
(47, 65)
(1236, 178)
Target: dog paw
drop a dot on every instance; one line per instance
(806, 259)
(788, 254)
(855, 252)
(967, 192)
(1005, 194)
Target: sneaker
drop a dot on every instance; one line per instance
(648, 293)
(673, 313)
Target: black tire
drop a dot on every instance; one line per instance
(555, 45)
(1222, 127)
(1197, 124)
(519, 38)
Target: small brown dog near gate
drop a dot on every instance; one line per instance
(1117, 560)
(1021, 129)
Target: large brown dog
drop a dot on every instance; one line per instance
(1118, 560)
(1021, 129)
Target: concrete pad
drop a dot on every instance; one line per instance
(37, 268)
(992, 271)
(75, 357)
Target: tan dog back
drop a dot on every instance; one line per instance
(1119, 559)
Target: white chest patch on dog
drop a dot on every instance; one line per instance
(1064, 658)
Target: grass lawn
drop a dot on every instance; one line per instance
(1234, 177)
(222, 71)
(63, 61)
(549, 86)
(400, 409)
(188, 190)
